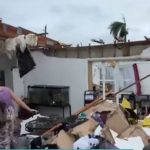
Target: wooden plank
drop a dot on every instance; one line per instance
(100, 99)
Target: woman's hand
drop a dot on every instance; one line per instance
(34, 111)
(21, 103)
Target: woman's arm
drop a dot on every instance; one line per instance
(20, 102)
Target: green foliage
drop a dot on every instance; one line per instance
(118, 30)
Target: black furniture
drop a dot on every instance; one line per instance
(51, 96)
(141, 102)
(89, 96)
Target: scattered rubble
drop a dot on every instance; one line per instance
(105, 126)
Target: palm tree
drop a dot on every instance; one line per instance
(119, 30)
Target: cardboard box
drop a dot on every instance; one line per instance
(64, 140)
(117, 121)
(102, 106)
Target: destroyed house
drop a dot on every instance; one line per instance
(70, 76)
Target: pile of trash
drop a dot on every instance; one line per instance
(102, 126)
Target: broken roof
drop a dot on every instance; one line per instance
(9, 31)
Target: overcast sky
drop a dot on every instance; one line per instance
(78, 21)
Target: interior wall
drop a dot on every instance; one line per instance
(60, 72)
(18, 84)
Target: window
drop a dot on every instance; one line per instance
(126, 73)
(109, 78)
(2, 78)
(109, 73)
(116, 78)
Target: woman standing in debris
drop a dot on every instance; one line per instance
(7, 115)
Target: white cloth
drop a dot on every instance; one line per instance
(10, 47)
(22, 41)
(98, 131)
(31, 39)
(85, 143)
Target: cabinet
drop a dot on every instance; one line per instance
(51, 96)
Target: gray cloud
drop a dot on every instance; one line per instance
(56, 10)
(75, 21)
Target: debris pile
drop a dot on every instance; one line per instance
(102, 126)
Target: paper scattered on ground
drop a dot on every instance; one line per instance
(134, 143)
(147, 130)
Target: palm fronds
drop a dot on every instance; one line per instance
(118, 30)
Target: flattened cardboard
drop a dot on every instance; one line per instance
(64, 140)
(117, 121)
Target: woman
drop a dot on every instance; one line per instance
(7, 115)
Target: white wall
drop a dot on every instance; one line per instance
(60, 72)
(18, 84)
